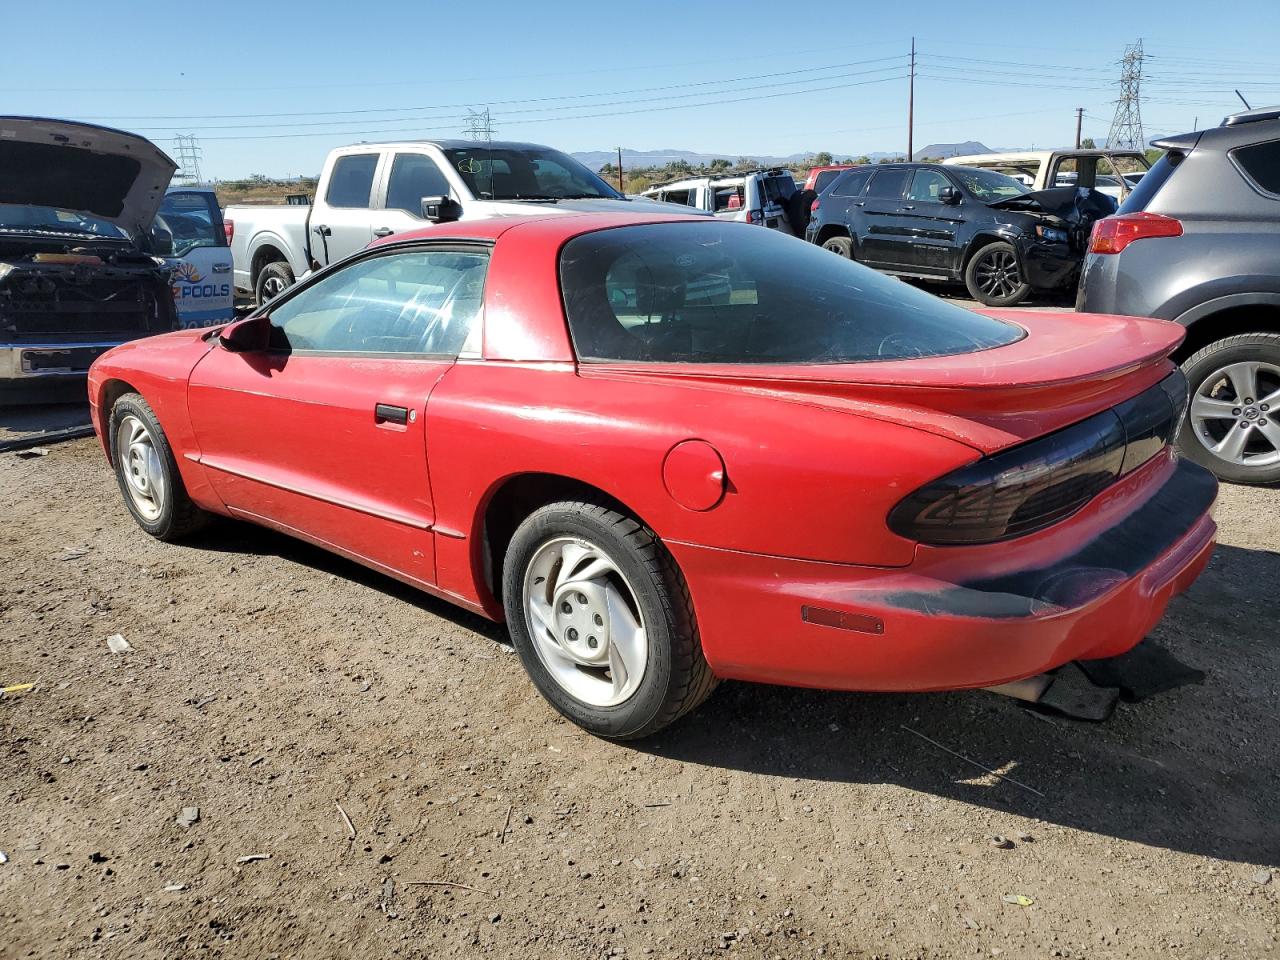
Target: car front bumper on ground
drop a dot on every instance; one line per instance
(1091, 586)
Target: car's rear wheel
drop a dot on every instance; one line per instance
(993, 277)
(840, 245)
(602, 620)
(147, 472)
(1233, 419)
(273, 280)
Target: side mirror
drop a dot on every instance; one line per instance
(949, 195)
(246, 336)
(441, 209)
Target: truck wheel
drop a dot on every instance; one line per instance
(273, 280)
(839, 245)
(1233, 419)
(602, 620)
(993, 278)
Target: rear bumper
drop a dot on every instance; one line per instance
(959, 617)
(49, 361)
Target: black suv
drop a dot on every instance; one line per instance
(1198, 242)
(959, 223)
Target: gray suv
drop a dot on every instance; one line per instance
(1198, 242)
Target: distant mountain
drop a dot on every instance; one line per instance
(944, 150)
(595, 159)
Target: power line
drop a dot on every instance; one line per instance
(188, 150)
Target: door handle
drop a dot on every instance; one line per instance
(322, 230)
(907, 206)
(860, 203)
(387, 413)
(383, 232)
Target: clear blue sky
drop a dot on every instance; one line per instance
(269, 87)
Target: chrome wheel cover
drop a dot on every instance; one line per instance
(997, 273)
(272, 287)
(141, 468)
(1234, 411)
(584, 622)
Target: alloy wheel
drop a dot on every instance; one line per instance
(141, 467)
(997, 273)
(272, 287)
(585, 622)
(1234, 413)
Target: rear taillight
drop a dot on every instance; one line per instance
(755, 216)
(813, 207)
(229, 228)
(1029, 487)
(1113, 234)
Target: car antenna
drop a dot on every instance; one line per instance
(1243, 100)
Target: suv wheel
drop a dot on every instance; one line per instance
(993, 277)
(274, 280)
(841, 245)
(1233, 419)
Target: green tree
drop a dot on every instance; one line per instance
(823, 159)
(1088, 144)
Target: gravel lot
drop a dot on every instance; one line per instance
(270, 683)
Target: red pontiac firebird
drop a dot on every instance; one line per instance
(668, 450)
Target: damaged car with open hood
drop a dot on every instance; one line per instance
(935, 222)
(81, 267)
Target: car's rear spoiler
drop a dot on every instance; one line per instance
(1182, 142)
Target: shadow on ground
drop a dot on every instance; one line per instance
(1193, 770)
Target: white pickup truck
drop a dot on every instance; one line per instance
(376, 189)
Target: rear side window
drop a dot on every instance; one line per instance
(852, 183)
(685, 198)
(824, 179)
(888, 183)
(722, 292)
(777, 188)
(192, 219)
(414, 176)
(1150, 184)
(1260, 163)
(351, 181)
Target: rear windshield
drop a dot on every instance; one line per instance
(723, 292)
(192, 219)
(777, 187)
(526, 173)
(1147, 188)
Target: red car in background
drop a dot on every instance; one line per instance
(668, 450)
(820, 177)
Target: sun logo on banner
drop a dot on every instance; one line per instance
(187, 273)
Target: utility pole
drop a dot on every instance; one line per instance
(620, 189)
(1079, 120)
(1126, 126)
(911, 104)
(188, 151)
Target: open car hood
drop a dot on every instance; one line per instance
(1076, 205)
(116, 176)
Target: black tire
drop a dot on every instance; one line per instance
(987, 276)
(842, 246)
(178, 516)
(273, 280)
(676, 677)
(1204, 365)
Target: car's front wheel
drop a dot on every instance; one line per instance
(147, 472)
(993, 277)
(1233, 419)
(602, 620)
(839, 245)
(274, 280)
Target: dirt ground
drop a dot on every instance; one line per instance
(270, 683)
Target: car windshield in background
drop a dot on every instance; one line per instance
(729, 293)
(987, 185)
(19, 216)
(192, 219)
(527, 174)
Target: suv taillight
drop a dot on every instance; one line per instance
(813, 207)
(229, 228)
(755, 216)
(1113, 234)
(1032, 486)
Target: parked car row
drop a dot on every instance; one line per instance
(762, 197)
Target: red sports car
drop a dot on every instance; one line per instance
(670, 449)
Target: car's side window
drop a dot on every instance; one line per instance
(414, 176)
(351, 180)
(1260, 162)
(423, 302)
(852, 184)
(926, 185)
(888, 184)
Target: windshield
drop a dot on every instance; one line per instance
(526, 173)
(723, 292)
(987, 185)
(21, 216)
(187, 220)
